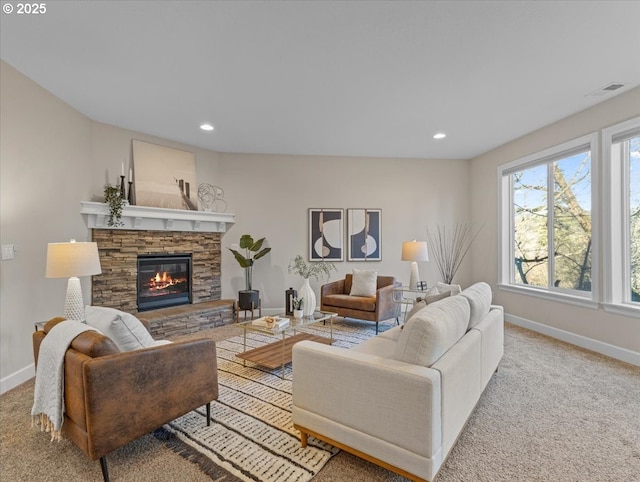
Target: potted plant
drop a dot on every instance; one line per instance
(316, 269)
(253, 250)
(298, 303)
(114, 200)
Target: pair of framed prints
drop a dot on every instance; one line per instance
(327, 234)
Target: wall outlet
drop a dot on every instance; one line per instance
(8, 251)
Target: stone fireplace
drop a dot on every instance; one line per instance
(171, 236)
(117, 286)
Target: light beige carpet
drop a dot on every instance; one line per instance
(553, 412)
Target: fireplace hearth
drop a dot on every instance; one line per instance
(163, 281)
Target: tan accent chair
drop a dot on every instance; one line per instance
(335, 297)
(112, 397)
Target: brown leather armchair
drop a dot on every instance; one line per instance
(112, 397)
(335, 297)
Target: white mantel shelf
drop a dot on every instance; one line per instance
(95, 216)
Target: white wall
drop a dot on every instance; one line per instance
(598, 325)
(45, 171)
(271, 196)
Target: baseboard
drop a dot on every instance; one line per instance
(622, 354)
(17, 378)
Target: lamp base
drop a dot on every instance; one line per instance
(73, 304)
(415, 276)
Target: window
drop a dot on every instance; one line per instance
(547, 241)
(621, 146)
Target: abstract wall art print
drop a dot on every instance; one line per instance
(363, 235)
(326, 234)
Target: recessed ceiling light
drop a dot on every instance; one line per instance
(206, 127)
(440, 135)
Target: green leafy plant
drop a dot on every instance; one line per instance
(115, 201)
(253, 251)
(298, 266)
(297, 303)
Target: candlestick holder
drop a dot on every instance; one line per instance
(130, 197)
(123, 195)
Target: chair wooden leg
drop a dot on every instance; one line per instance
(208, 414)
(397, 320)
(105, 470)
(376, 327)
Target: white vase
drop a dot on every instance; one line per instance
(306, 293)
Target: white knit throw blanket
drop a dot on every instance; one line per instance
(48, 398)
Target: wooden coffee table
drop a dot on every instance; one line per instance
(278, 353)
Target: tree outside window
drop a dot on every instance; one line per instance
(632, 150)
(552, 236)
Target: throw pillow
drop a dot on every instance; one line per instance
(440, 296)
(479, 297)
(432, 331)
(364, 282)
(417, 306)
(427, 300)
(442, 287)
(124, 329)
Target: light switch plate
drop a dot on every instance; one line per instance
(8, 251)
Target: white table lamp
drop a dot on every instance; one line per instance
(414, 251)
(71, 260)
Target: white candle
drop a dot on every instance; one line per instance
(122, 169)
(130, 175)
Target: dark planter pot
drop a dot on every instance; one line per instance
(248, 299)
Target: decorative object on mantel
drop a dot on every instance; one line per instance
(364, 230)
(130, 196)
(164, 176)
(250, 298)
(298, 266)
(71, 260)
(212, 198)
(450, 246)
(115, 201)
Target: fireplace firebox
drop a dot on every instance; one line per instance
(163, 281)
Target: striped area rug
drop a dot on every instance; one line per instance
(251, 436)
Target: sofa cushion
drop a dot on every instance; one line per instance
(124, 329)
(432, 331)
(361, 303)
(428, 299)
(479, 297)
(364, 282)
(442, 287)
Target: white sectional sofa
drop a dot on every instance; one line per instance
(401, 399)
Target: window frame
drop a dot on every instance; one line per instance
(616, 237)
(506, 268)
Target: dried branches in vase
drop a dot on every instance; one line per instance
(449, 247)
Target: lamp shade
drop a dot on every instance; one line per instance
(415, 251)
(65, 260)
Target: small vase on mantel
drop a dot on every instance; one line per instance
(307, 294)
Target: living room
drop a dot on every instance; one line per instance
(53, 156)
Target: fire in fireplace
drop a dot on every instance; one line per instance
(163, 280)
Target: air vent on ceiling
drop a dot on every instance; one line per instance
(606, 90)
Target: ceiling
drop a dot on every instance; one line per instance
(348, 78)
